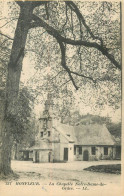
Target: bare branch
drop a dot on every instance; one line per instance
(79, 54)
(66, 13)
(57, 74)
(72, 25)
(81, 75)
(8, 22)
(81, 18)
(63, 63)
(64, 83)
(4, 41)
(6, 36)
(40, 23)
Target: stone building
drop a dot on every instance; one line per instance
(57, 142)
(65, 143)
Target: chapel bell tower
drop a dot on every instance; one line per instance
(46, 117)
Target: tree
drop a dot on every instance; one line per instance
(68, 30)
(23, 121)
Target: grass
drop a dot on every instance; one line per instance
(112, 168)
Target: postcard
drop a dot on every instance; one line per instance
(61, 98)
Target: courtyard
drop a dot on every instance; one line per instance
(37, 178)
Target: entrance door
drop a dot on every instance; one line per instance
(37, 157)
(85, 155)
(65, 154)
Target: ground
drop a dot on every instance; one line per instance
(66, 177)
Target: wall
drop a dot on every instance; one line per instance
(98, 156)
(114, 152)
(62, 146)
(54, 136)
(105, 157)
(40, 128)
(79, 157)
(71, 152)
(64, 143)
(117, 152)
(43, 156)
(56, 151)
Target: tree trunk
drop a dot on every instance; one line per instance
(12, 85)
(16, 152)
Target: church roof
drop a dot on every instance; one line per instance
(91, 134)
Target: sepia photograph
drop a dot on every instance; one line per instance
(61, 98)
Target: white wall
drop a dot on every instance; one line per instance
(43, 156)
(64, 143)
(70, 147)
(98, 156)
(101, 153)
(78, 156)
(114, 152)
(56, 151)
(62, 146)
(70, 152)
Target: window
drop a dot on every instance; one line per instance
(41, 134)
(74, 150)
(48, 133)
(80, 150)
(105, 150)
(93, 150)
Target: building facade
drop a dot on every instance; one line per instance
(57, 142)
(65, 143)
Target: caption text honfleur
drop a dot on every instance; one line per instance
(62, 185)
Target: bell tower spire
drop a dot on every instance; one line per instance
(46, 117)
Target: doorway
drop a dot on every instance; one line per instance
(36, 157)
(65, 154)
(85, 155)
(49, 157)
